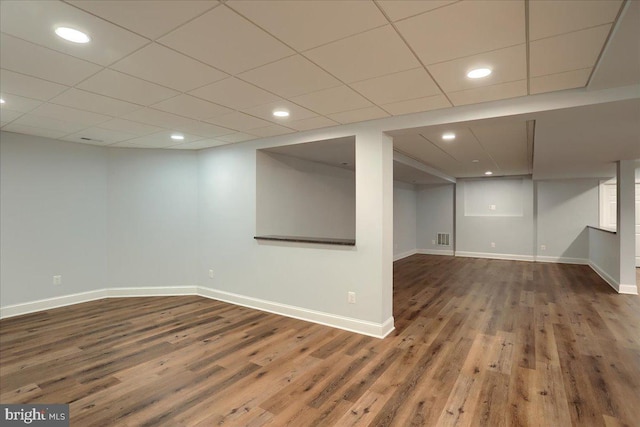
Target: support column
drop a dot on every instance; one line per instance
(626, 225)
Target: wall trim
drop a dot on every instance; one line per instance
(405, 254)
(488, 255)
(562, 260)
(151, 291)
(447, 252)
(372, 329)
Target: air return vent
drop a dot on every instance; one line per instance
(443, 239)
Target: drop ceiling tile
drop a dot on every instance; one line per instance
(158, 64)
(465, 28)
(417, 105)
(161, 140)
(37, 61)
(158, 118)
(49, 123)
(360, 115)
(397, 87)
(420, 149)
(560, 81)
(265, 111)
(239, 121)
(363, 56)
(32, 130)
(272, 130)
(307, 24)
(35, 22)
(464, 148)
(508, 65)
(236, 137)
(290, 76)
(127, 126)
(18, 103)
(567, 52)
(552, 18)
(199, 145)
(7, 115)
(227, 41)
(234, 93)
(400, 9)
(88, 101)
(71, 115)
(205, 130)
(148, 18)
(489, 93)
(193, 107)
(334, 100)
(121, 86)
(311, 123)
(505, 143)
(99, 136)
(29, 87)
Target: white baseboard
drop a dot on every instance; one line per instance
(447, 252)
(510, 257)
(404, 254)
(50, 303)
(621, 289)
(562, 260)
(151, 291)
(376, 330)
(628, 289)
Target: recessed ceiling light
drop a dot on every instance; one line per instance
(448, 136)
(72, 35)
(488, 173)
(1, 101)
(479, 73)
(281, 113)
(177, 137)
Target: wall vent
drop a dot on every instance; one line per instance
(443, 239)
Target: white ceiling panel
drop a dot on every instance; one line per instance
(239, 121)
(190, 106)
(18, 103)
(157, 118)
(205, 130)
(400, 9)
(489, 93)
(465, 147)
(234, 93)
(551, 18)
(37, 61)
(98, 136)
(334, 100)
(359, 115)
(121, 86)
(508, 65)
(149, 18)
(291, 76)
(127, 126)
(272, 130)
(36, 21)
(424, 151)
(161, 139)
(396, 87)
(33, 130)
(266, 112)
(560, 81)
(199, 145)
(227, 41)
(72, 115)
(363, 56)
(567, 52)
(236, 137)
(465, 28)
(60, 126)
(88, 101)
(7, 115)
(312, 123)
(27, 86)
(166, 67)
(416, 105)
(307, 24)
(505, 143)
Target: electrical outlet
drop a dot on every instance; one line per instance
(492, 207)
(57, 280)
(543, 247)
(211, 274)
(493, 244)
(433, 242)
(351, 297)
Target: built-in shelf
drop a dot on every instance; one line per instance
(303, 239)
(606, 230)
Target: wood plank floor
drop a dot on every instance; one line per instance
(477, 343)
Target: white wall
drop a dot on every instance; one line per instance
(152, 217)
(53, 217)
(298, 197)
(604, 255)
(512, 233)
(435, 205)
(404, 220)
(564, 209)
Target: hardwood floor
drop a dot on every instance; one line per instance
(477, 342)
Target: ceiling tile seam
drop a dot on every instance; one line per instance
(441, 149)
(577, 31)
(527, 38)
(563, 72)
(397, 150)
(38, 78)
(415, 55)
(420, 13)
(485, 150)
(486, 86)
(625, 5)
(50, 101)
(484, 52)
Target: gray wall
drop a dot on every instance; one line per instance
(434, 215)
(53, 216)
(404, 219)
